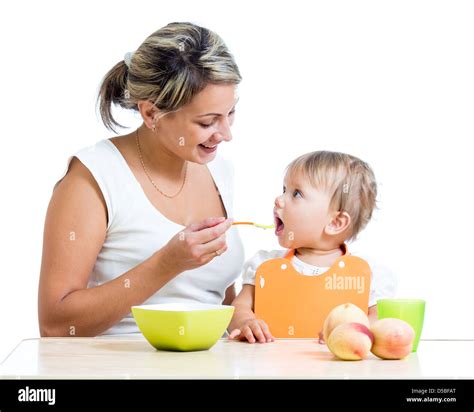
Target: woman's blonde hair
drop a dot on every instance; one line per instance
(349, 181)
(169, 68)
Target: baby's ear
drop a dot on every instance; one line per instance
(338, 224)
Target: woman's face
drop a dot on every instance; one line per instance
(195, 131)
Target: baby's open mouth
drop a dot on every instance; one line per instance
(279, 226)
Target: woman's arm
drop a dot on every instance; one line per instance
(75, 230)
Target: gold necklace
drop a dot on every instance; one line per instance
(151, 180)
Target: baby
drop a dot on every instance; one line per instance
(327, 199)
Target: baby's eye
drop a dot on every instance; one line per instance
(296, 193)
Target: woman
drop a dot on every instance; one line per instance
(144, 217)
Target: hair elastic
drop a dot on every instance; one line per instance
(127, 58)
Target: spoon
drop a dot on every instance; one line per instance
(255, 224)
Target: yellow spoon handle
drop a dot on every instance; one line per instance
(254, 224)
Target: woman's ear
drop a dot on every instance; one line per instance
(150, 113)
(338, 224)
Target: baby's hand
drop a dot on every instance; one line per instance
(321, 338)
(251, 330)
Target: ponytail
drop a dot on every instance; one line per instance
(113, 92)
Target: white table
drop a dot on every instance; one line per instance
(132, 357)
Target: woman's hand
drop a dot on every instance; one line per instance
(252, 330)
(197, 244)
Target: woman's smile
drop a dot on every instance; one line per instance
(208, 149)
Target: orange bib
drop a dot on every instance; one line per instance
(295, 305)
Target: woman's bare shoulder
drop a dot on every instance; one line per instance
(124, 143)
(79, 187)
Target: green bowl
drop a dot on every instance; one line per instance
(182, 326)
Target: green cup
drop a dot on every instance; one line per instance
(411, 311)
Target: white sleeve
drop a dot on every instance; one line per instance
(251, 265)
(383, 283)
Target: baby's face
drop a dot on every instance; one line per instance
(301, 213)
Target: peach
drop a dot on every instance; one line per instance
(393, 338)
(344, 313)
(350, 341)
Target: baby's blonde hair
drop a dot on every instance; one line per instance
(349, 181)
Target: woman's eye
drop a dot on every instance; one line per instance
(206, 125)
(296, 193)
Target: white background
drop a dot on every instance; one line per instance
(390, 82)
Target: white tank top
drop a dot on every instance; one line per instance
(136, 230)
